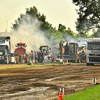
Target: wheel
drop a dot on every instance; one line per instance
(83, 59)
(87, 64)
(92, 64)
(3, 62)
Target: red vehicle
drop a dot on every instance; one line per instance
(20, 53)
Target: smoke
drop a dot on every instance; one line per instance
(29, 32)
(80, 40)
(55, 50)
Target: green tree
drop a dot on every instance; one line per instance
(33, 12)
(89, 15)
(61, 28)
(53, 34)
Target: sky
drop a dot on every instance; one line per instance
(56, 12)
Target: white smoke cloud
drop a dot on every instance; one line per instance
(80, 40)
(55, 50)
(29, 33)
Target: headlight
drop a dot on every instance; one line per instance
(61, 60)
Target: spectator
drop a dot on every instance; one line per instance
(36, 57)
(32, 56)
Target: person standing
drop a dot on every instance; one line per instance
(36, 57)
(32, 56)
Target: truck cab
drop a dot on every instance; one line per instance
(5, 50)
(93, 51)
(45, 49)
(20, 52)
(46, 53)
(68, 50)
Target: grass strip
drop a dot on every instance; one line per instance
(87, 94)
(18, 66)
(39, 64)
(13, 66)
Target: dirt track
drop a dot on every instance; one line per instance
(44, 82)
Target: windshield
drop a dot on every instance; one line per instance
(44, 48)
(93, 46)
(80, 48)
(71, 48)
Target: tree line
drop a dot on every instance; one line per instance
(88, 16)
(51, 32)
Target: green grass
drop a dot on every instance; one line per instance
(39, 64)
(18, 66)
(87, 94)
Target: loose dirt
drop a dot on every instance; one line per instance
(43, 82)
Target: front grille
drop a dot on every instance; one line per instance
(91, 54)
(94, 54)
(94, 59)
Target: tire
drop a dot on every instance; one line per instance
(87, 64)
(3, 62)
(83, 59)
(92, 64)
(73, 61)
